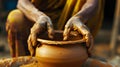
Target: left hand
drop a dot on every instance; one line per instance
(43, 24)
(76, 24)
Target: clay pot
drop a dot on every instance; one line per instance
(58, 53)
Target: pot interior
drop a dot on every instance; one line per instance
(58, 36)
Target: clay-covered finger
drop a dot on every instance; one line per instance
(66, 31)
(34, 39)
(50, 29)
(30, 47)
(87, 38)
(91, 44)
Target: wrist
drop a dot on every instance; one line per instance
(84, 20)
(42, 18)
(37, 14)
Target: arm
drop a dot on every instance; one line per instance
(88, 10)
(42, 22)
(77, 22)
(29, 10)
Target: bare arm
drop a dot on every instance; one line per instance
(88, 10)
(29, 10)
(77, 22)
(43, 23)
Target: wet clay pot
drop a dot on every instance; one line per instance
(58, 53)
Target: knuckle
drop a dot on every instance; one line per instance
(67, 26)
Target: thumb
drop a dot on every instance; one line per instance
(66, 33)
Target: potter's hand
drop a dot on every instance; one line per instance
(43, 23)
(76, 24)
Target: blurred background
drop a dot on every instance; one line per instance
(107, 42)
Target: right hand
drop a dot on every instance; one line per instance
(38, 28)
(76, 24)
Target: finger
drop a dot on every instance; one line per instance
(50, 29)
(30, 48)
(91, 44)
(87, 38)
(34, 39)
(81, 28)
(66, 31)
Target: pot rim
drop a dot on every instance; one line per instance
(60, 42)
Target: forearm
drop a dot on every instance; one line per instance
(88, 10)
(29, 10)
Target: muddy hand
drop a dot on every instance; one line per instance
(76, 24)
(38, 28)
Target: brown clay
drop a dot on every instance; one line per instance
(58, 53)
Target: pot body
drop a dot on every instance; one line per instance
(61, 55)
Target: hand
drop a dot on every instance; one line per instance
(39, 27)
(76, 24)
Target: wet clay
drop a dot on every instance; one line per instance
(58, 53)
